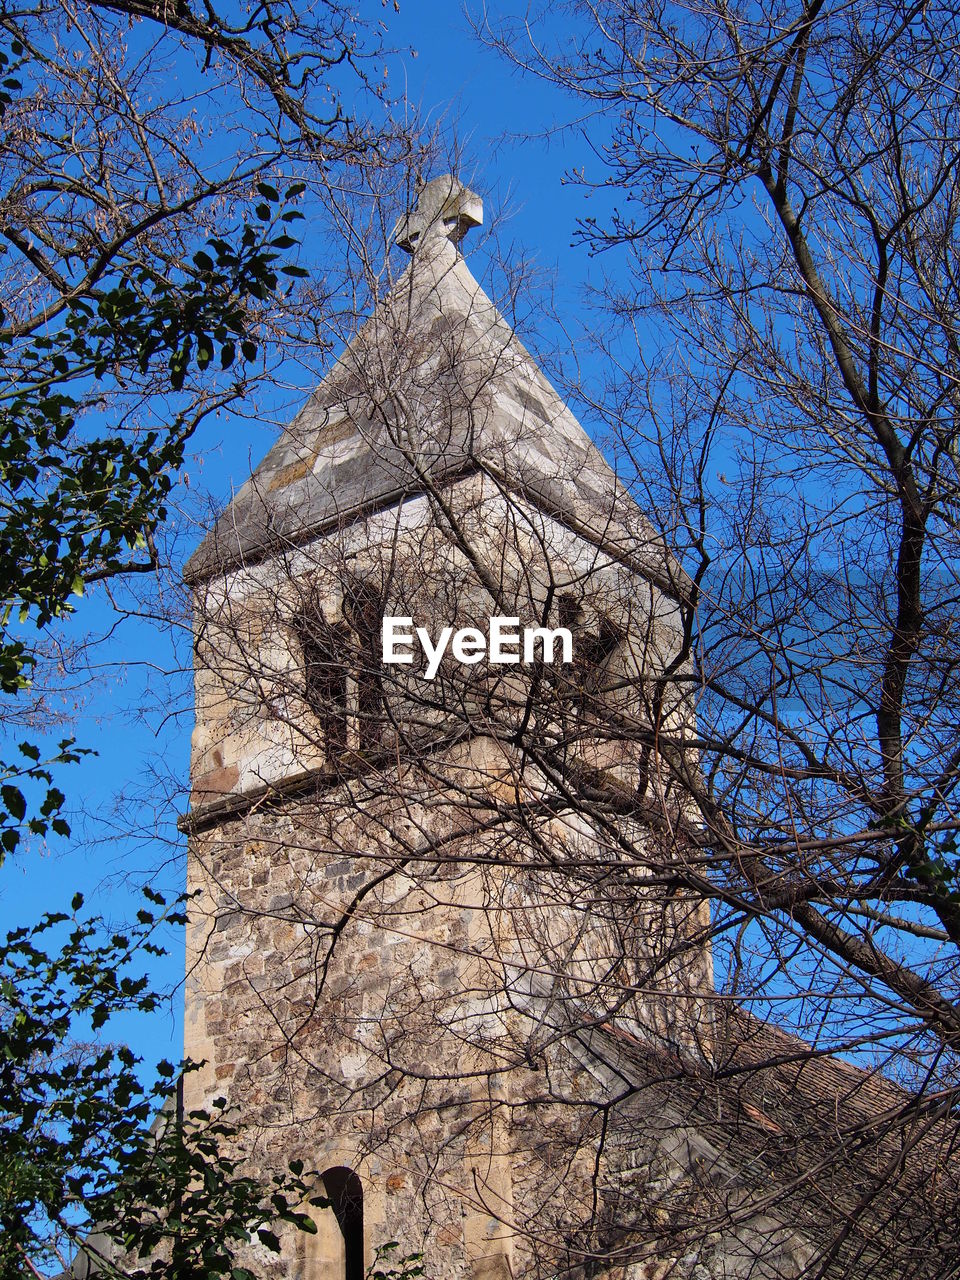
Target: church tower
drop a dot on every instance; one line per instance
(429, 836)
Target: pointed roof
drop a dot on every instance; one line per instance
(434, 385)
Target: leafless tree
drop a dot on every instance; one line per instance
(498, 939)
(156, 162)
(782, 357)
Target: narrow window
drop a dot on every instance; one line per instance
(581, 685)
(325, 648)
(343, 1189)
(590, 664)
(363, 610)
(342, 680)
(568, 612)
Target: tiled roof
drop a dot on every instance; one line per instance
(776, 1135)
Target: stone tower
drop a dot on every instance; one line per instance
(422, 895)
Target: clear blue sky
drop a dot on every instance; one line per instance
(127, 712)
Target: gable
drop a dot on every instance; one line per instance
(434, 386)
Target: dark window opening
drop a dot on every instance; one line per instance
(325, 648)
(592, 655)
(363, 610)
(568, 612)
(344, 1190)
(590, 665)
(342, 679)
(582, 684)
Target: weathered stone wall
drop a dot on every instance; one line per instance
(481, 552)
(392, 949)
(366, 1034)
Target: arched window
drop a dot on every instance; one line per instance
(343, 1189)
(325, 674)
(363, 610)
(341, 669)
(583, 684)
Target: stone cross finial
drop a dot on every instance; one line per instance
(446, 210)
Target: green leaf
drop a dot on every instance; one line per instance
(14, 801)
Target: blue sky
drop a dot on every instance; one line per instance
(132, 706)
